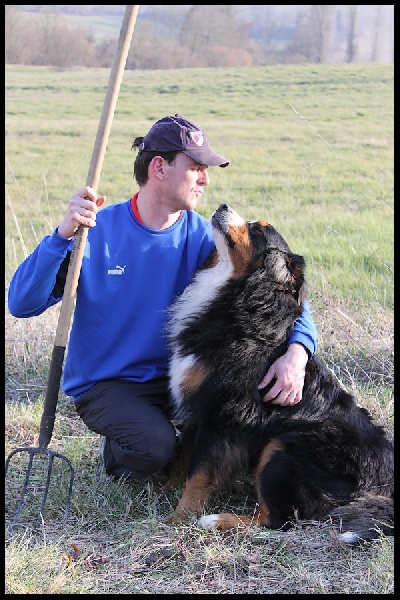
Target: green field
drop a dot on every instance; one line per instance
(311, 148)
(312, 152)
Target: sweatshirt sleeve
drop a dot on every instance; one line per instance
(32, 286)
(305, 332)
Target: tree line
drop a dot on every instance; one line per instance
(202, 36)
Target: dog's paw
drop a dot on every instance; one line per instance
(226, 521)
(208, 522)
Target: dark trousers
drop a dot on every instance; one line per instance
(135, 420)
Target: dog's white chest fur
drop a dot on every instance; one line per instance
(193, 300)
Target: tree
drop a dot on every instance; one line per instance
(352, 47)
(377, 35)
(17, 46)
(213, 36)
(46, 40)
(322, 30)
(299, 49)
(61, 46)
(179, 36)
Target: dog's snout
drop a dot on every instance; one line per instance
(222, 208)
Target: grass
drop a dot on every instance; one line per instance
(314, 140)
(312, 152)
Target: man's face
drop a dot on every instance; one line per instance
(184, 181)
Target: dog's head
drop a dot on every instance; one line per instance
(250, 246)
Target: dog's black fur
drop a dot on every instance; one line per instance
(323, 459)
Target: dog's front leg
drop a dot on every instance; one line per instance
(197, 490)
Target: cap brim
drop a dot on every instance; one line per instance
(211, 159)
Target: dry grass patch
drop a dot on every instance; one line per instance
(116, 539)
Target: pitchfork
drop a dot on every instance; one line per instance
(56, 364)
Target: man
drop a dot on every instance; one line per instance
(139, 255)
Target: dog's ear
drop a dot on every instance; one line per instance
(297, 266)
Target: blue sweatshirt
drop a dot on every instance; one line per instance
(130, 274)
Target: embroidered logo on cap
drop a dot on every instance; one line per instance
(197, 137)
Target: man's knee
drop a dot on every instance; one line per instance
(151, 454)
(158, 450)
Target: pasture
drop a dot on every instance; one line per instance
(312, 152)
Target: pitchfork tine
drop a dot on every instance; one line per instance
(51, 456)
(46, 491)
(24, 487)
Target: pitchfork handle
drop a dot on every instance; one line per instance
(50, 404)
(75, 263)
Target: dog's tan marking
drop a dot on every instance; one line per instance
(266, 455)
(194, 377)
(225, 521)
(242, 250)
(195, 494)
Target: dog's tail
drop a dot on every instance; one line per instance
(364, 519)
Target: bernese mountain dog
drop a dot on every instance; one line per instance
(321, 460)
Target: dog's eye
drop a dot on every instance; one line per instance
(258, 232)
(256, 227)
